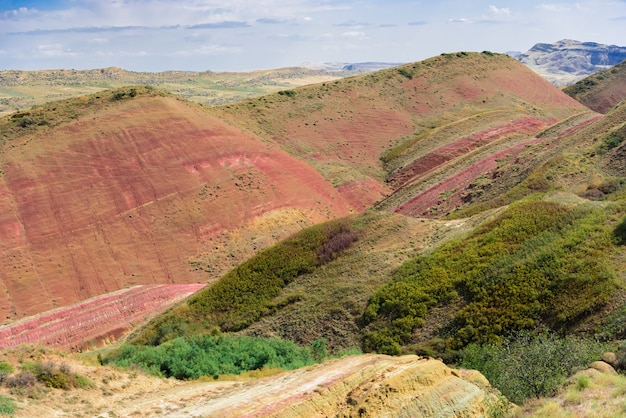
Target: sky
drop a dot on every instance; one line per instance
(240, 35)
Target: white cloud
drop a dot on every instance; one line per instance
(554, 7)
(461, 20)
(354, 35)
(55, 50)
(499, 11)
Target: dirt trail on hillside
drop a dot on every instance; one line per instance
(368, 385)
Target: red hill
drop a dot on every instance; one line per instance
(136, 193)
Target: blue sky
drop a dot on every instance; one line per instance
(199, 35)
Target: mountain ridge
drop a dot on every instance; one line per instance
(567, 61)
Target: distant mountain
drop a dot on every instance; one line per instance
(567, 61)
(363, 67)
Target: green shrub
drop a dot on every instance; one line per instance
(539, 262)
(7, 406)
(319, 350)
(211, 355)
(50, 375)
(5, 369)
(405, 73)
(81, 382)
(527, 366)
(245, 293)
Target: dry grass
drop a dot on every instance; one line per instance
(588, 393)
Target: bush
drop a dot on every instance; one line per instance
(245, 293)
(7, 406)
(539, 262)
(527, 366)
(24, 379)
(5, 370)
(319, 350)
(211, 355)
(53, 376)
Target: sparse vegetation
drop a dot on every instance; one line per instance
(529, 366)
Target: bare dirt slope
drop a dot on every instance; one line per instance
(358, 386)
(145, 190)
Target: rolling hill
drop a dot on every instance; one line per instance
(23, 89)
(135, 186)
(554, 193)
(437, 205)
(601, 91)
(132, 191)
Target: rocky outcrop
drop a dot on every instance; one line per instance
(359, 386)
(567, 61)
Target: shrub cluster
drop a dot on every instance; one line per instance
(527, 366)
(539, 262)
(245, 293)
(613, 139)
(48, 374)
(213, 355)
(7, 406)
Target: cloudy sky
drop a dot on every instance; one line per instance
(219, 35)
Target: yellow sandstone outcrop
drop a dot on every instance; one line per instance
(360, 386)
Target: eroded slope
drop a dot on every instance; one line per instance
(144, 189)
(409, 128)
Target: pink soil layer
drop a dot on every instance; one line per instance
(440, 156)
(423, 204)
(87, 323)
(431, 203)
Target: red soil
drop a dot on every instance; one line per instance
(130, 195)
(87, 323)
(447, 195)
(429, 162)
(432, 202)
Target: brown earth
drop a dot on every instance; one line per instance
(137, 194)
(358, 386)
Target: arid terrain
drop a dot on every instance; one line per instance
(142, 188)
(118, 205)
(349, 387)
